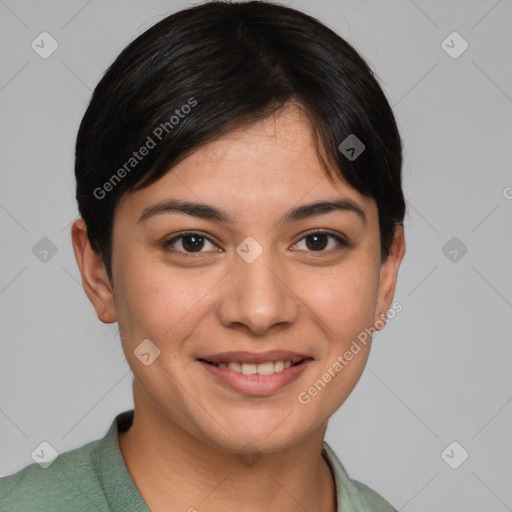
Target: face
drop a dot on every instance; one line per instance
(258, 286)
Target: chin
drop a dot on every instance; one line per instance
(267, 434)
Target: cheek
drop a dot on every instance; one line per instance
(342, 307)
(343, 297)
(155, 302)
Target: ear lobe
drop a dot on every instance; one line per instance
(95, 279)
(389, 273)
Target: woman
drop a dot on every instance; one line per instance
(239, 183)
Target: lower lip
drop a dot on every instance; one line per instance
(256, 384)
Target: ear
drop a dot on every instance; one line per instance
(389, 274)
(95, 279)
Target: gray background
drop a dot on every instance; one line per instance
(439, 372)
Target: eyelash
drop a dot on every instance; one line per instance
(342, 243)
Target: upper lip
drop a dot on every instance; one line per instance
(256, 358)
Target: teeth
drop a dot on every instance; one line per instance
(278, 366)
(249, 369)
(267, 368)
(236, 367)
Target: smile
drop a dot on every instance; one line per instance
(256, 379)
(267, 368)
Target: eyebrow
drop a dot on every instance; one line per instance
(208, 212)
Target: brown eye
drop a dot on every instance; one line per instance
(192, 243)
(318, 241)
(187, 243)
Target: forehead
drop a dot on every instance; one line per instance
(267, 166)
(285, 136)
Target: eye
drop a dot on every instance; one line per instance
(317, 241)
(191, 242)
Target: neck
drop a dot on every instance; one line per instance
(174, 470)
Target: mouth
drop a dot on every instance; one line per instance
(251, 363)
(266, 368)
(255, 374)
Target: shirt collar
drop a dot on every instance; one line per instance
(347, 496)
(122, 493)
(120, 489)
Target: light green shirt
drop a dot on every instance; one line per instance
(94, 478)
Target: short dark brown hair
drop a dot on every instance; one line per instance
(204, 70)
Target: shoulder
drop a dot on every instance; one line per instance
(353, 495)
(70, 482)
(371, 499)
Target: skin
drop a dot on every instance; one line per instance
(182, 448)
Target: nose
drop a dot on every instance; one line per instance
(258, 296)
